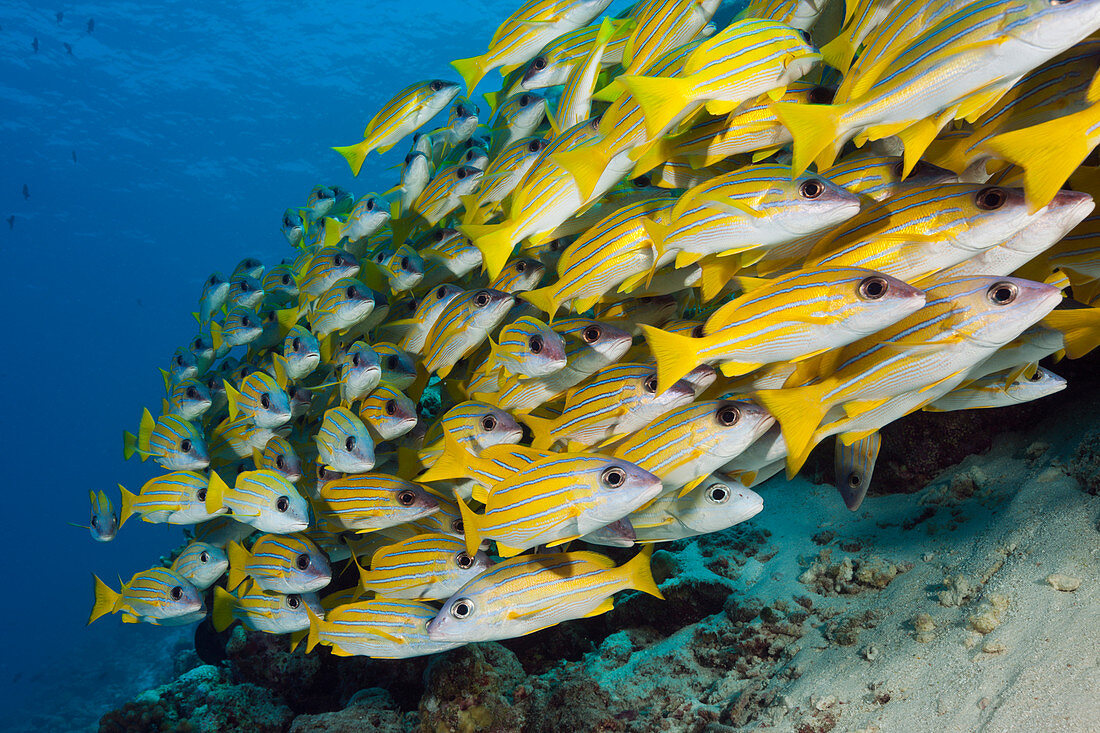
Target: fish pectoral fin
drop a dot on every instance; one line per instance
(690, 485)
(605, 605)
(506, 551)
(557, 543)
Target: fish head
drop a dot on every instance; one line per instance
(183, 445)
(466, 616)
(466, 179)
(201, 563)
(991, 311)
(519, 275)
(524, 110)
(1040, 384)
(320, 201)
(202, 346)
(476, 157)
(162, 594)
(389, 412)
(410, 502)
(282, 509)
(353, 300)
(191, 398)
(248, 266)
(246, 290)
(592, 343)
(279, 456)
(286, 613)
(242, 326)
(302, 352)
(1055, 25)
(183, 365)
(808, 204)
(292, 226)
(737, 424)
(306, 567)
(701, 377)
(492, 426)
(398, 365)
(361, 368)
(864, 301)
(618, 487)
(486, 308)
(416, 170)
(272, 407)
(715, 505)
(104, 523)
(345, 443)
(300, 400)
(439, 93)
(1053, 222)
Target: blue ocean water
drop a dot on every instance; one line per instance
(165, 146)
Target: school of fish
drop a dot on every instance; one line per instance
(652, 269)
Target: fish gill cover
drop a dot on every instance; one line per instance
(612, 303)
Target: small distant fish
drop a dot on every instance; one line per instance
(26, 189)
(178, 497)
(68, 48)
(11, 222)
(34, 45)
(104, 524)
(157, 596)
(91, 25)
(59, 15)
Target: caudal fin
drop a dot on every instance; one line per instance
(660, 98)
(215, 493)
(544, 299)
(586, 164)
(145, 433)
(816, 132)
(222, 613)
(127, 510)
(238, 561)
(314, 629)
(640, 575)
(469, 526)
(542, 429)
(355, 155)
(676, 355)
(106, 600)
(1080, 328)
(495, 242)
(472, 70)
(800, 412)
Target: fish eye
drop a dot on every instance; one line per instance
(280, 463)
(380, 257)
(370, 204)
(196, 344)
(302, 561)
(464, 561)
(95, 521)
(461, 173)
(805, 36)
(457, 526)
(286, 279)
(821, 95)
(176, 593)
(391, 407)
(728, 415)
(282, 503)
(613, 477)
(410, 156)
(213, 278)
(1036, 377)
(244, 286)
(534, 146)
(811, 189)
(321, 473)
(201, 494)
(185, 445)
(192, 393)
(650, 383)
(391, 363)
(462, 608)
(246, 321)
(591, 334)
(488, 423)
(355, 360)
(296, 344)
(873, 288)
(641, 181)
(436, 85)
(539, 63)
(718, 494)
(406, 498)
(594, 123)
(212, 383)
(697, 332)
(350, 291)
(404, 263)
(204, 557)
(349, 444)
(898, 168)
(440, 293)
(854, 480)
(482, 298)
(1002, 293)
(265, 401)
(535, 344)
(294, 600)
(991, 199)
(179, 360)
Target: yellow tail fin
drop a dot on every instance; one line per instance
(224, 603)
(472, 70)
(839, 52)
(452, 463)
(106, 600)
(676, 355)
(816, 132)
(469, 527)
(660, 98)
(216, 335)
(145, 432)
(129, 445)
(355, 155)
(215, 493)
(800, 412)
(495, 242)
(586, 164)
(640, 575)
(232, 395)
(238, 561)
(1080, 328)
(314, 637)
(544, 300)
(1048, 153)
(542, 429)
(127, 509)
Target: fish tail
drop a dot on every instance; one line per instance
(586, 164)
(815, 129)
(495, 242)
(215, 493)
(800, 411)
(640, 575)
(542, 429)
(222, 614)
(676, 355)
(355, 155)
(106, 600)
(238, 560)
(452, 463)
(145, 432)
(129, 445)
(127, 510)
(1048, 153)
(544, 300)
(839, 52)
(469, 526)
(493, 99)
(471, 70)
(216, 335)
(716, 275)
(469, 208)
(314, 636)
(661, 98)
(233, 396)
(1080, 328)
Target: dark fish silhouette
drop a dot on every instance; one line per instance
(60, 15)
(68, 48)
(26, 192)
(74, 156)
(91, 24)
(34, 43)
